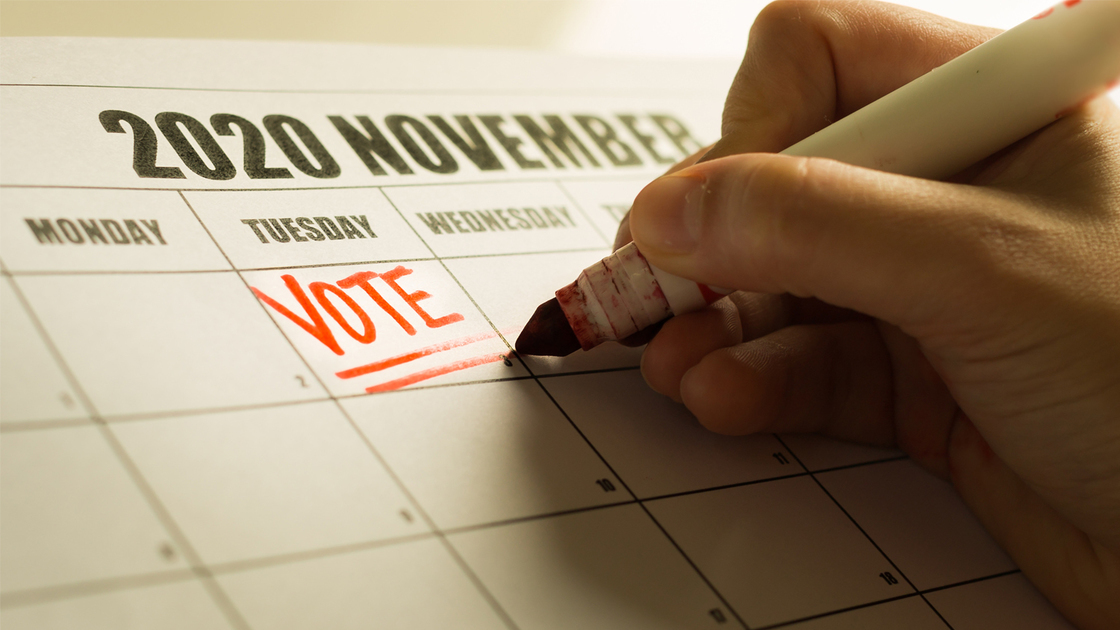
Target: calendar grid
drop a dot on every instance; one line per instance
(205, 573)
(645, 510)
(114, 426)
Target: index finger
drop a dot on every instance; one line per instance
(809, 64)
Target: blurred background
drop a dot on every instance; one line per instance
(644, 28)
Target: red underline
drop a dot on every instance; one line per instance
(434, 372)
(377, 366)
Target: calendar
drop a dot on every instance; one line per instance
(258, 305)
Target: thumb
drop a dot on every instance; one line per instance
(897, 248)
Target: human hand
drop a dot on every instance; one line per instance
(973, 323)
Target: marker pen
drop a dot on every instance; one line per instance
(932, 127)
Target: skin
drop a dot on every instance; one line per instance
(973, 323)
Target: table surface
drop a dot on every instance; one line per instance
(660, 28)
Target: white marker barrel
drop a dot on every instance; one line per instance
(984, 100)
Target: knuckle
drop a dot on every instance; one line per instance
(779, 217)
(782, 14)
(789, 34)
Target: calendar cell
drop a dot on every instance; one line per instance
(384, 326)
(485, 452)
(655, 444)
(608, 568)
(400, 586)
(77, 229)
(70, 513)
(919, 522)
(270, 481)
(176, 606)
(152, 343)
(489, 219)
(306, 227)
(32, 384)
(779, 550)
(1008, 602)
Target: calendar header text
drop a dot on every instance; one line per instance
(396, 145)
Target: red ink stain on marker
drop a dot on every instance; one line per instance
(709, 294)
(1043, 14)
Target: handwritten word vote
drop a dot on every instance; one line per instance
(329, 297)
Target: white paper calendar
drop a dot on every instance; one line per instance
(258, 303)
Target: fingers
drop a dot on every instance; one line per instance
(923, 407)
(898, 248)
(1077, 574)
(683, 341)
(808, 64)
(834, 379)
(622, 236)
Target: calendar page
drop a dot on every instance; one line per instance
(258, 304)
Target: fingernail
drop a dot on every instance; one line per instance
(667, 213)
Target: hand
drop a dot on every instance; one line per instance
(973, 323)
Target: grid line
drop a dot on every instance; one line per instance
(286, 267)
(178, 537)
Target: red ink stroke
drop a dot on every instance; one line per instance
(385, 364)
(434, 372)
